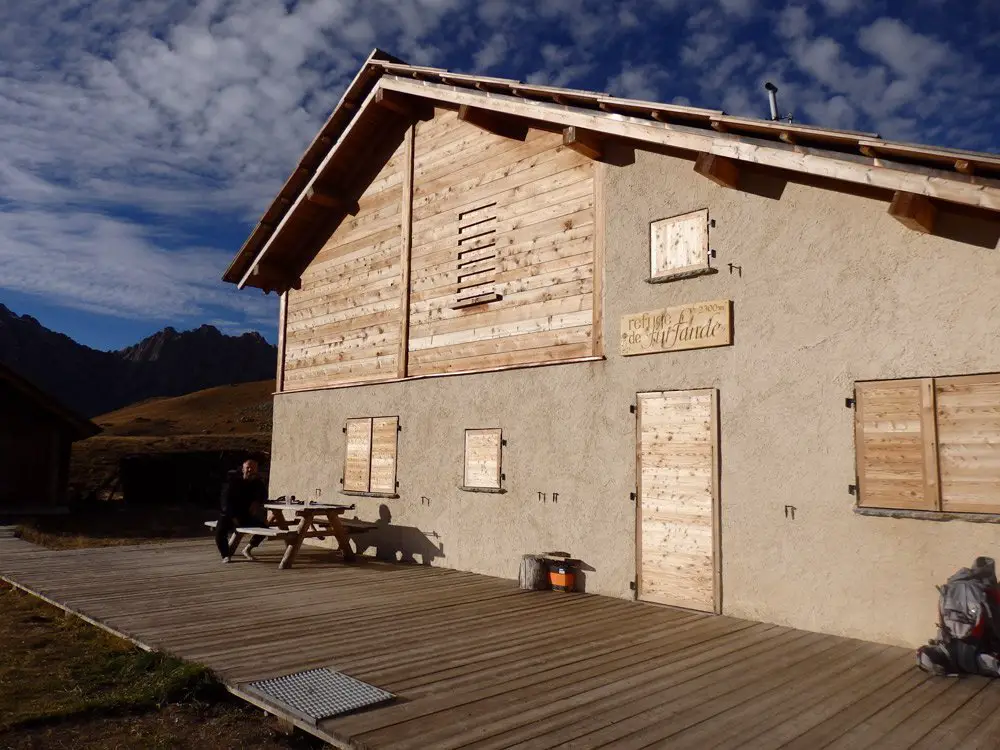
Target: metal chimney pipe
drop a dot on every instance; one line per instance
(772, 94)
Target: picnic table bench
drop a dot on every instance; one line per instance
(304, 521)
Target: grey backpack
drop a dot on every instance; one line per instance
(968, 626)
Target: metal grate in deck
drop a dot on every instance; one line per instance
(318, 694)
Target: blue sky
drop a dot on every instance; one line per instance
(143, 138)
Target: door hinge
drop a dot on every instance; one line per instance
(849, 403)
(632, 496)
(631, 408)
(633, 584)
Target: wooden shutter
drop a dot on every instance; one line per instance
(383, 460)
(357, 462)
(679, 245)
(968, 427)
(896, 444)
(482, 458)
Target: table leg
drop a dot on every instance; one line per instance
(293, 544)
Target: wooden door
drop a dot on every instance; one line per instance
(677, 519)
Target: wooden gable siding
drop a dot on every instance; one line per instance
(539, 259)
(343, 325)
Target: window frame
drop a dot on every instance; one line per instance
(501, 477)
(681, 272)
(368, 491)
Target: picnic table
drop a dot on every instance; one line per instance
(296, 522)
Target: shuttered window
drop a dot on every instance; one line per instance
(370, 456)
(482, 459)
(678, 247)
(929, 444)
(477, 259)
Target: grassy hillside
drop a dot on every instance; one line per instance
(225, 410)
(229, 417)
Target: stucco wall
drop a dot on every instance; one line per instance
(832, 290)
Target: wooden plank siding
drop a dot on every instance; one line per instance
(526, 270)
(474, 664)
(537, 254)
(344, 322)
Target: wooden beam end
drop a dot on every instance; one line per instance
(404, 105)
(718, 169)
(964, 166)
(583, 142)
(492, 122)
(916, 212)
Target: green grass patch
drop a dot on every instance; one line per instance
(56, 666)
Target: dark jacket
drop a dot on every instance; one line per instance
(239, 494)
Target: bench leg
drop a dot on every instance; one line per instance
(234, 542)
(342, 538)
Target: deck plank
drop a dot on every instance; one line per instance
(477, 663)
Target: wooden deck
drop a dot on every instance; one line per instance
(477, 663)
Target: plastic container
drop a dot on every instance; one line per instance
(562, 575)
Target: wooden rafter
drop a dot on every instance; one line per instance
(718, 169)
(915, 212)
(491, 122)
(331, 200)
(583, 142)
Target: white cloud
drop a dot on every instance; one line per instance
(794, 21)
(701, 47)
(627, 18)
(562, 66)
(908, 53)
(741, 8)
(643, 82)
(494, 52)
(840, 7)
(99, 264)
(835, 112)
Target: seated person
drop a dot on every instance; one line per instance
(242, 505)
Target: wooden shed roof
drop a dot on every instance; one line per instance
(79, 427)
(321, 190)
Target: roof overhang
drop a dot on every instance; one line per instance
(78, 427)
(387, 96)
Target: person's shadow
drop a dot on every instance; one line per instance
(398, 543)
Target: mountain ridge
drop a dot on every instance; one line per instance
(166, 363)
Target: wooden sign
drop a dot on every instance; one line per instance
(696, 326)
